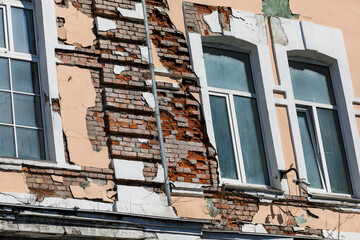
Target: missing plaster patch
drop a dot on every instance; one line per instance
(133, 14)
(104, 24)
(213, 21)
(213, 211)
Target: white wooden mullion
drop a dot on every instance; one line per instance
(5, 28)
(316, 148)
(237, 142)
(9, 28)
(228, 91)
(320, 105)
(13, 109)
(321, 148)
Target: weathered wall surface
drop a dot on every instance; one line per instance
(110, 132)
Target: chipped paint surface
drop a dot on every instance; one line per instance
(78, 26)
(358, 124)
(77, 95)
(95, 190)
(119, 69)
(13, 182)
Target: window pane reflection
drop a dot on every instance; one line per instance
(23, 30)
(224, 143)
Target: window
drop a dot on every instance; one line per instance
(21, 115)
(236, 125)
(320, 130)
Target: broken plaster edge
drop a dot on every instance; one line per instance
(68, 203)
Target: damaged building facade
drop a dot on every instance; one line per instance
(259, 104)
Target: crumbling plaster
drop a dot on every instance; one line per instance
(77, 95)
(327, 219)
(96, 190)
(77, 28)
(192, 207)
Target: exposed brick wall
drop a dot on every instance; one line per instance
(40, 182)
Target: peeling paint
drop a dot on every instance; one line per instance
(213, 21)
(77, 95)
(77, 26)
(95, 191)
(213, 211)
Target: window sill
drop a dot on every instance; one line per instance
(332, 197)
(13, 163)
(251, 188)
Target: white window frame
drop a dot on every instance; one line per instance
(318, 44)
(259, 54)
(9, 53)
(46, 43)
(233, 123)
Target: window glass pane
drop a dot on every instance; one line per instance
(30, 143)
(311, 83)
(23, 30)
(334, 151)
(7, 143)
(228, 69)
(252, 146)
(24, 76)
(4, 74)
(27, 110)
(5, 108)
(224, 143)
(2, 31)
(312, 169)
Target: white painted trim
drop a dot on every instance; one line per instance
(326, 45)
(47, 41)
(242, 36)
